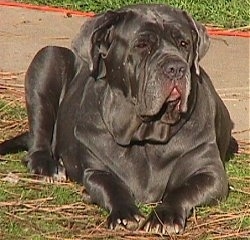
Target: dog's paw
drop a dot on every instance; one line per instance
(59, 176)
(41, 163)
(127, 217)
(165, 220)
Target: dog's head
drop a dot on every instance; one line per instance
(148, 54)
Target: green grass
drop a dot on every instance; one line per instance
(224, 13)
(28, 208)
(12, 118)
(11, 110)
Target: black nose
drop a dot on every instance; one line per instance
(175, 69)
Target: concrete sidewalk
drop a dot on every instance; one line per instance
(23, 32)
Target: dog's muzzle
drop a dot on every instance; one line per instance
(174, 70)
(167, 90)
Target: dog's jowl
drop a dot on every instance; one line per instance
(129, 113)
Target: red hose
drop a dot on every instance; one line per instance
(226, 32)
(46, 8)
(211, 31)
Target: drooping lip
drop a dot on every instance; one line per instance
(173, 102)
(179, 93)
(174, 95)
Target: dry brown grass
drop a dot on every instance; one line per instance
(79, 220)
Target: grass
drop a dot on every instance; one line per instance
(13, 118)
(223, 13)
(33, 209)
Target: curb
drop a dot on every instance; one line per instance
(211, 31)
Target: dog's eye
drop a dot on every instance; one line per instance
(145, 41)
(142, 44)
(184, 43)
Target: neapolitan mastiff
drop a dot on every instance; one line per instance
(131, 115)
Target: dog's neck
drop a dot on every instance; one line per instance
(119, 115)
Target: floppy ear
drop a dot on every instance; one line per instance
(202, 42)
(94, 39)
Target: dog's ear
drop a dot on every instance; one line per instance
(94, 39)
(201, 43)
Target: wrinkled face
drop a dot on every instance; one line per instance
(160, 56)
(149, 55)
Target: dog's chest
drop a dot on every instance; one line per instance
(145, 170)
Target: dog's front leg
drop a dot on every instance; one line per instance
(109, 192)
(199, 189)
(49, 72)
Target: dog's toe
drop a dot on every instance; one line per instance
(128, 218)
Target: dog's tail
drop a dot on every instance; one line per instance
(16, 144)
(232, 148)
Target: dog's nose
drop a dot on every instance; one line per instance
(175, 69)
